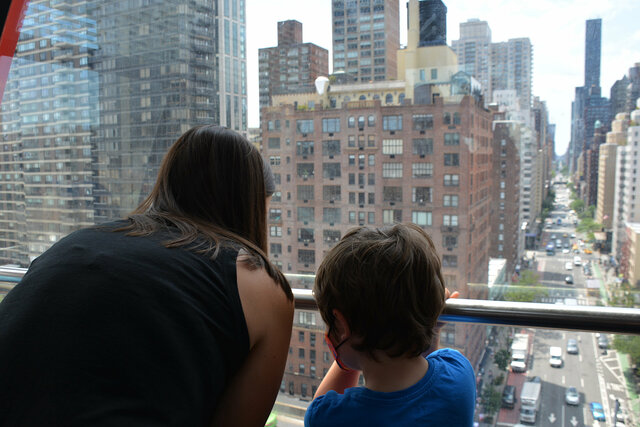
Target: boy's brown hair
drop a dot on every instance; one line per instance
(388, 285)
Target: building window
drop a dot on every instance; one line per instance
(331, 125)
(306, 256)
(331, 193)
(371, 141)
(274, 160)
(331, 170)
(352, 159)
(304, 126)
(451, 159)
(331, 148)
(451, 180)
(306, 214)
(422, 121)
(391, 123)
(274, 143)
(275, 231)
(450, 200)
(331, 235)
(304, 148)
(305, 192)
(434, 73)
(351, 141)
(371, 179)
(423, 146)
(361, 122)
(421, 195)
(351, 121)
(331, 215)
(371, 120)
(392, 170)
(301, 372)
(450, 242)
(275, 214)
(450, 220)
(446, 118)
(456, 118)
(275, 248)
(372, 160)
(391, 216)
(301, 353)
(422, 170)
(352, 217)
(305, 170)
(451, 139)
(392, 194)
(421, 218)
(391, 146)
(449, 261)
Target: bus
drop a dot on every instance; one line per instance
(551, 249)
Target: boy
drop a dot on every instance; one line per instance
(380, 292)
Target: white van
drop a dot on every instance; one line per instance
(555, 357)
(577, 261)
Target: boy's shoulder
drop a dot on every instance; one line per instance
(450, 380)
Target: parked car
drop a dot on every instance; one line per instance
(568, 279)
(596, 411)
(509, 396)
(588, 251)
(577, 261)
(572, 346)
(571, 396)
(568, 265)
(565, 250)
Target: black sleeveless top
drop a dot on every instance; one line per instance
(111, 330)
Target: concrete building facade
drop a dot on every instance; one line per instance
(366, 36)
(607, 170)
(626, 206)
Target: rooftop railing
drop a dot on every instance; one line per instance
(547, 316)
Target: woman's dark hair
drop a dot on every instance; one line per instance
(211, 187)
(388, 285)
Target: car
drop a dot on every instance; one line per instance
(571, 396)
(573, 235)
(566, 245)
(559, 243)
(553, 237)
(565, 251)
(568, 279)
(603, 342)
(568, 265)
(572, 346)
(588, 251)
(596, 411)
(621, 416)
(509, 396)
(577, 261)
(565, 235)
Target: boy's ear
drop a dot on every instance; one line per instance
(341, 325)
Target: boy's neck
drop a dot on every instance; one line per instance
(393, 374)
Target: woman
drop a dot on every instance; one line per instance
(171, 317)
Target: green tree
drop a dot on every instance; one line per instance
(527, 289)
(628, 344)
(492, 399)
(577, 205)
(502, 358)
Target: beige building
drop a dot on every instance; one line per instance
(631, 254)
(607, 169)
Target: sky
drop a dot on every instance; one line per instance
(556, 29)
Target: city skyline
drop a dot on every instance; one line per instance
(555, 75)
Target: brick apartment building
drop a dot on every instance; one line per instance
(362, 163)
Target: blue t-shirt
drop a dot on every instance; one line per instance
(444, 396)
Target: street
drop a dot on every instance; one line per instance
(594, 372)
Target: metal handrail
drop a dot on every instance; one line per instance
(547, 316)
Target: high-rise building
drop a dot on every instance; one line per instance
(158, 78)
(474, 53)
(366, 37)
(506, 239)
(292, 66)
(626, 207)
(592, 166)
(511, 67)
(607, 170)
(433, 23)
(98, 91)
(592, 48)
(48, 114)
(618, 96)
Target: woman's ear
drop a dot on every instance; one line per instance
(341, 325)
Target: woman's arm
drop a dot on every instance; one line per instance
(269, 315)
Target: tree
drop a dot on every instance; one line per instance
(628, 344)
(492, 399)
(577, 205)
(502, 358)
(527, 289)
